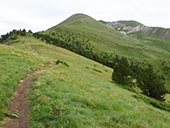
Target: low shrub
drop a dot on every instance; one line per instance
(97, 70)
(64, 63)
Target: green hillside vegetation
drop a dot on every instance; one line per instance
(15, 65)
(82, 94)
(131, 23)
(160, 47)
(160, 34)
(104, 22)
(82, 33)
(102, 58)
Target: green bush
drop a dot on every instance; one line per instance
(58, 61)
(64, 63)
(97, 70)
(122, 72)
(151, 85)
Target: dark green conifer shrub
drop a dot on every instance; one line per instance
(151, 85)
(64, 63)
(122, 73)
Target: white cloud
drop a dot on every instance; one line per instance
(42, 14)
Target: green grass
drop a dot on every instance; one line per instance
(105, 39)
(14, 66)
(131, 23)
(104, 22)
(53, 53)
(82, 95)
(69, 97)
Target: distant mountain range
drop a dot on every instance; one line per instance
(131, 27)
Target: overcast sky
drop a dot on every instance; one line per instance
(38, 15)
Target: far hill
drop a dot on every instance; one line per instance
(139, 30)
(84, 35)
(131, 23)
(77, 18)
(104, 22)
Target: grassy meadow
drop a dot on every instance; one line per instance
(82, 95)
(69, 97)
(14, 66)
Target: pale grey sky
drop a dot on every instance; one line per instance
(38, 15)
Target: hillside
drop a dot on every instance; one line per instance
(15, 65)
(96, 39)
(139, 30)
(130, 23)
(80, 94)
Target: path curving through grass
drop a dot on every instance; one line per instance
(18, 109)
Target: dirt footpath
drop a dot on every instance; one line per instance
(19, 105)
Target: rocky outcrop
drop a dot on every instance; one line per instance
(144, 30)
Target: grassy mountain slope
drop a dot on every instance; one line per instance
(137, 29)
(101, 36)
(82, 94)
(83, 28)
(131, 23)
(15, 65)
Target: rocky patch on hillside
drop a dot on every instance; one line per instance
(144, 30)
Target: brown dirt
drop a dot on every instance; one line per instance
(19, 104)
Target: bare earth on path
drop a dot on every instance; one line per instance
(20, 105)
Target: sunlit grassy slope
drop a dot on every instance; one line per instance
(82, 95)
(104, 39)
(14, 66)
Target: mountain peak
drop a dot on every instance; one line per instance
(79, 17)
(79, 14)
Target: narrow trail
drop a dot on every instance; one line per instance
(32, 47)
(20, 104)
